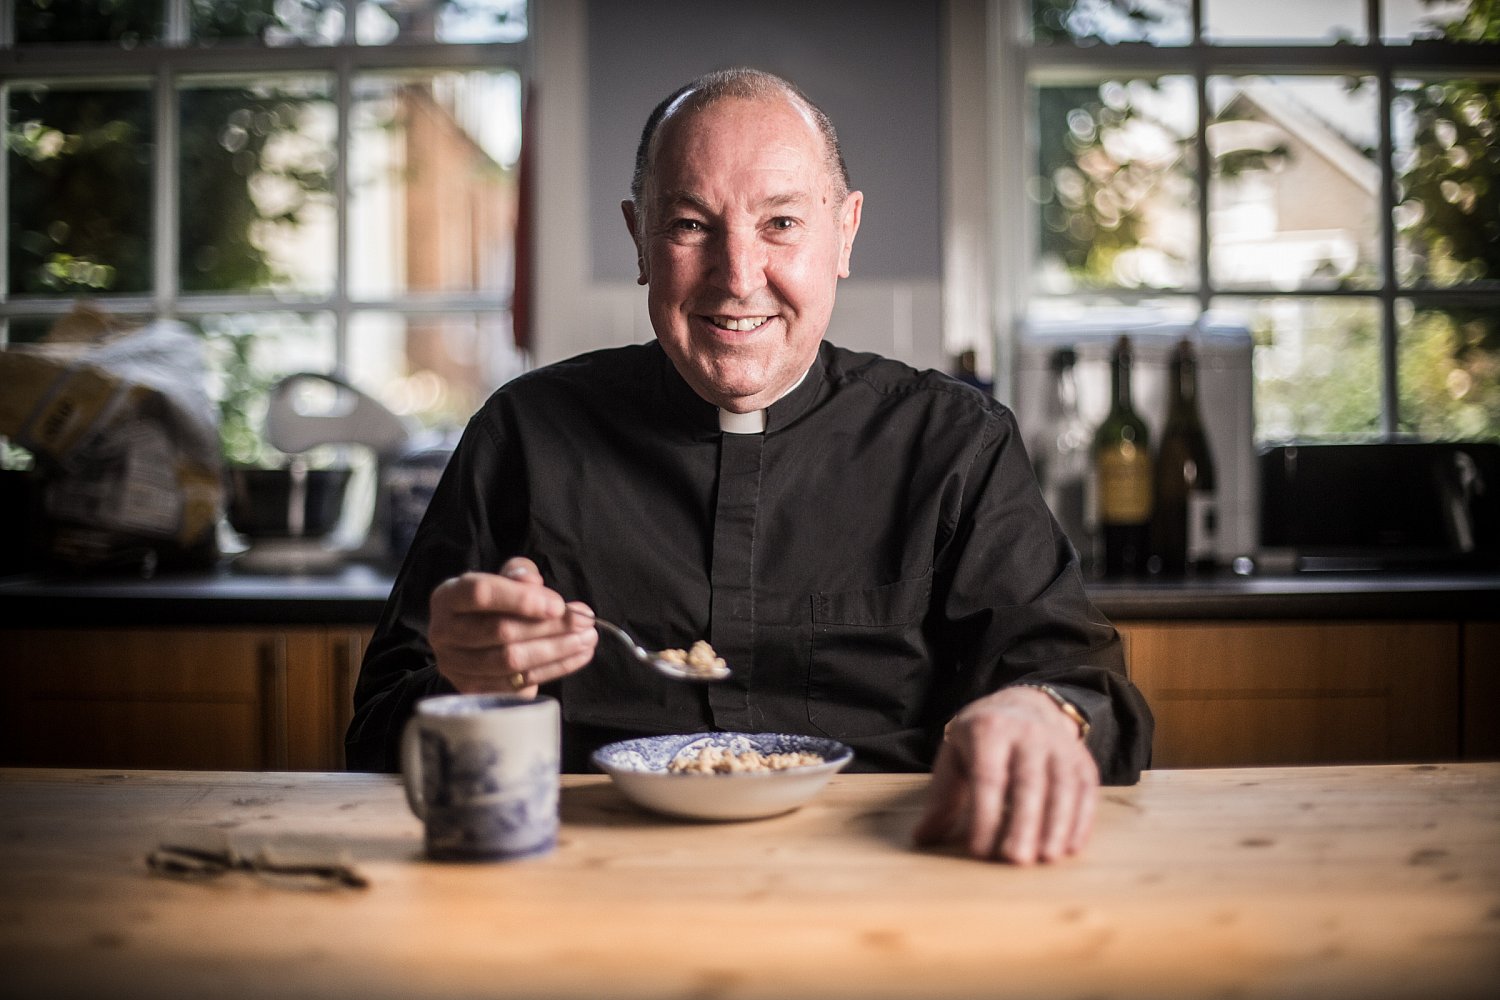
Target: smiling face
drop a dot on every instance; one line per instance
(743, 237)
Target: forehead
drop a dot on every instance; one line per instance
(738, 135)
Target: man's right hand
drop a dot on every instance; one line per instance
(507, 632)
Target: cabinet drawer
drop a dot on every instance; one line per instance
(151, 698)
(1229, 694)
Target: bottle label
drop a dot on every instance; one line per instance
(1124, 486)
(1202, 527)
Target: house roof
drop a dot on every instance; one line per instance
(1264, 101)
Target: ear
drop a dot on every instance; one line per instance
(643, 273)
(848, 226)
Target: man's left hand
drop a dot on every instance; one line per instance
(1015, 777)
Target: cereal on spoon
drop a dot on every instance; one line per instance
(700, 659)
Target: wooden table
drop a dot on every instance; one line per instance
(1368, 882)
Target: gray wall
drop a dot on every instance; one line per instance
(872, 65)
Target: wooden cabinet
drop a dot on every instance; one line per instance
(231, 698)
(1232, 693)
(1481, 691)
(1225, 693)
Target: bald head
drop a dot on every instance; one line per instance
(741, 84)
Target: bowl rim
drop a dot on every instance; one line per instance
(841, 754)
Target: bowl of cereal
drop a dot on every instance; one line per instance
(722, 776)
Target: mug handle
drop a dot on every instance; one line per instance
(411, 768)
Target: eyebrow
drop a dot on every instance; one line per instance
(671, 198)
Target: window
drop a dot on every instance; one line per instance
(326, 185)
(1326, 174)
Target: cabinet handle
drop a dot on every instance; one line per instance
(273, 695)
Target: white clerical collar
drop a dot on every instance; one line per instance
(753, 422)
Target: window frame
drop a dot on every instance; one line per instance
(161, 65)
(1374, 58)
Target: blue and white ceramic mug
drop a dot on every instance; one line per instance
(481, 772)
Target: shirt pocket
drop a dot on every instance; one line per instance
(870, 663)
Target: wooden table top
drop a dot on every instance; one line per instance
(1321, 882)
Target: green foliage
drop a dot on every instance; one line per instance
(1451, 189)
(80, 191)
(1479, 23)
(227, 133)
(81, 187)
(242, 387)
(125, 22)
(1325, 386)
(1449, 382)
(1318, 376)
(1450, 204)
(1093, 198)
(278, 20)
(1055, 21)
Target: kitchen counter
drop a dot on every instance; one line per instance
(1327, 882)
(1382, 594)
(355, 595)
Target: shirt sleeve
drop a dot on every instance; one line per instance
(467, 514)
(1015, 611)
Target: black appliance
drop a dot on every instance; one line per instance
(1382, 506)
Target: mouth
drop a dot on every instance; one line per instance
(738, 324)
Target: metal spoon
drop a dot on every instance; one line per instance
(676, 671)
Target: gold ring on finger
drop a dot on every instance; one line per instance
(518, 680)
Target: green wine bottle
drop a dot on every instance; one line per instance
(1122, 475)
(1184, 524)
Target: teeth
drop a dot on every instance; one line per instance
(741, 324)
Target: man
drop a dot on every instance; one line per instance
(863, 543)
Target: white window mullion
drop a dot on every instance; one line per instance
(178, 26)
(4, 211)
(344, 88)
(1389, 386)
(165, 205)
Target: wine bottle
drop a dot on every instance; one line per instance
(1063, 466)
(1184, 525)
(1122, 474)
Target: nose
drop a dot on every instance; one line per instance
(740, 264)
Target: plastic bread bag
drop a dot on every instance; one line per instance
(126, 441)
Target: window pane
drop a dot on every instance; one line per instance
(1294, 201)
(1447, 160)
(1317, 367)
(125, 22)
(1114, 185)
(1158, 22)
(248, 353)
(1404, 20)
(1235, 22)
(79, 189)
(438, 368)
(28, 329)
(1449, 373)
(256, 196)
(270, 22)
(432, 183)
(380, 22)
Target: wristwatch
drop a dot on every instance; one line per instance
(1068, 708)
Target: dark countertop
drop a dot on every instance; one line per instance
(1382, 595)
(355, 594)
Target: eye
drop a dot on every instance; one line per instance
(783, 223)
(687, 225)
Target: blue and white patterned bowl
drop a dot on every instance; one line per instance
(639, 769)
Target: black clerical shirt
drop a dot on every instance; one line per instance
(876, 558)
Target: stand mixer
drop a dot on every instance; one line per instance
(320, 517)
